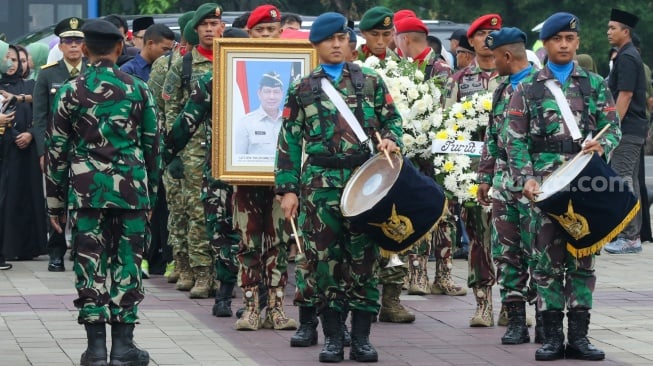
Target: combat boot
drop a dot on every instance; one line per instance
(418, 283)
(306, 334)
(123, 350)
(250, 319)
(443, 283)
(553, 347)
(333, 349)
(262, 299)
(391, 309)
(275, 317)
(222, 307)
(503, 317)
(361, 348)
(203, 283)
(96, 349)
(539, 328)
(186, 280)
(578, 346)
(517, 332)
(483, 316)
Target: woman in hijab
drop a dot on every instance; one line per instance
(22, 204)
(38, 56)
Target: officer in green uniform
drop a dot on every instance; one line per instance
(104, 167)
(193, 256)
(511, 234)
(538, 142)
(340, 265)
(49, 80)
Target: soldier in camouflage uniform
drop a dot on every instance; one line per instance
(193, 256)
(511, 234)
(410, 38)
(479, 77)
(172, 186)
(377, 28)
(103, 155)
(538, 142)
(339, 271)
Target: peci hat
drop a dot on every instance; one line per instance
(141, 23)
(624, 17)
(69, 27)
(406, 25)
(263, 14)
(378, 17)
(505, 36)
(208, 10)
(487, 21)
(559, 22)
(326, 25)
(101, 31)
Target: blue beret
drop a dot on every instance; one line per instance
(503, 36)
(352, 35)
(559, 22)
(327, 25)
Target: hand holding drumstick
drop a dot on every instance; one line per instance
(387, 146)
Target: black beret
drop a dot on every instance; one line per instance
(232, 32)
(69, 27)
(99, 30)
(142, 23)
(624, 17)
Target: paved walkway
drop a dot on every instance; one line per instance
(38, 327)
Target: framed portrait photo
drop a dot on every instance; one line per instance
(251, 79)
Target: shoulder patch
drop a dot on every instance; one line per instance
(49, 65)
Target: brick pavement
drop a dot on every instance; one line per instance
(37, 324)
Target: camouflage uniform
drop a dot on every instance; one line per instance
(511, 232)
(340, 265)
(561, 279)
(196, 243)
(112, 157)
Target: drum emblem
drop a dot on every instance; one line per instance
(575, 224)
(396, 227)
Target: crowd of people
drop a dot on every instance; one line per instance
(121, 129)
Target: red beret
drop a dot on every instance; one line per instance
(488, 21)
(263, 14)
(410, 25)
(402, 14)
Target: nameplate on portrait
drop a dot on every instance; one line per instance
(452, 146)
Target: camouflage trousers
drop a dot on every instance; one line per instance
(109, 242)
(177, 218)
(512, 237)
(218, 209)
(259, 220)
(340, 266)
(561, 279)
(199, 250)
(481, 271)
(445, 232)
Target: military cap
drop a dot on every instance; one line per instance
(559, 22)
(101, 31)
(190, 35)
(271, 79)
(624, 17)
(232, 32)
(184, 19)
(458, 34)
(402, 14)
(326, 25)
(352, 35)
(264, 14)
(503, 36)
(411, 25)
(463, 42)
(208, 10)
(141, 23)
(487, 21)
(69, 27)
(378, 17)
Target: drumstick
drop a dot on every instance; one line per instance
(294, 231)
(385, 151)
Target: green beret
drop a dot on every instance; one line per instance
(378, 17)
(208, 10)
(184, 19)
(190, 35)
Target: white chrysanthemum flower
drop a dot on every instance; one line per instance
(412, 94)
(419, 75)
(372, 62)
(407, 140)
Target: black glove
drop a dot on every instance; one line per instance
(176, 168)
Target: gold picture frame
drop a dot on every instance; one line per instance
(240, 67)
